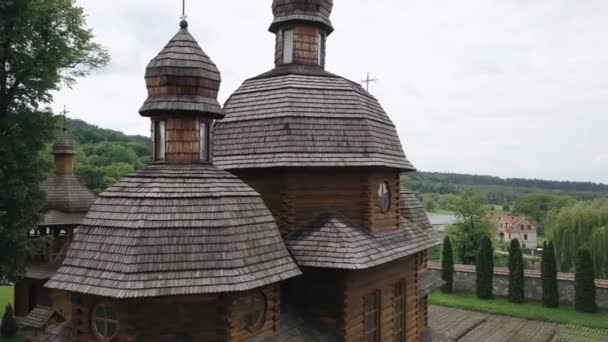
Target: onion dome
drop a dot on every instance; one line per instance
(64, 144)
(312, 11)
(175, 230)
(182, 78)
(68, 199)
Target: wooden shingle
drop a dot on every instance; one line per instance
(175, 230)
(302, 116)
(312, 11)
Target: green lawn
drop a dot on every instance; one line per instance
(532, 310)
(6, 297)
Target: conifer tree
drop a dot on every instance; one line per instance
(549, 276)
(485, 269)
(584, 283)
(9, 325)
(516, 273)
(447, 265)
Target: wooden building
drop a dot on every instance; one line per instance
(68, 200)
(282, 221)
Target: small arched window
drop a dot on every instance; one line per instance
(104, 322)
(160, 139)
(205, 133)
(384, 197)
(254, 315)
(288, 46)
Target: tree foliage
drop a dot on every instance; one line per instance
(516, 273)
(447, 265)
(472, 227)
(583, 225)
(9, 326)
(584, 283)
(549, 276)
(43, 44)
(538, 206)
(485, 269)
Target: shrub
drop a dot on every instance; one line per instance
(584, 283)
(485, 269)
(516, 273)
(447, 265)
(9, 325)
(549, 276)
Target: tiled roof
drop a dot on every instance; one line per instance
(175, 230)
(41, 272)
(67, 200)
(300, 116)
(412, 209)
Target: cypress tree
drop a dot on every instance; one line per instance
(549, 276)
(485, 269)
(516, 273)
(447, 265)
(584, 283)
(9, 325)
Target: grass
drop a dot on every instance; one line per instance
(6, 297)
(530, 311)
(14, 339)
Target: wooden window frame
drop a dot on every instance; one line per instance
(384, 204)
(374, 312)
(205, 142)
(321, 49)
(96, 330)
(288, 46)
(159, 132)
(399, 298)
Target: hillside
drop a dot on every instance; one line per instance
(500, 190)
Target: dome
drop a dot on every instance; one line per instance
(315, 11)
(67, 200)
(64, 144)
(303, 116)
(175, 230)
(182, 78)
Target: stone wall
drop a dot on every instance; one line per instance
(464, 281)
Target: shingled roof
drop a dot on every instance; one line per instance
(182, 78)
(67, 199)
(175, 230)
(428, 281)
(333, 241)
(298, 116)
(412, 209)
(39, 317)
(311, 11)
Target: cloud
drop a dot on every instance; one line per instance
(509, 88)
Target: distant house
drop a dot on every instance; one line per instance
(441, 222)
(511, 227)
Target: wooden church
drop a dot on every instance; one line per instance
(277, 217)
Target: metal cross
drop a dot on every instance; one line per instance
(65, 117)
(368, 80)
(183, 9)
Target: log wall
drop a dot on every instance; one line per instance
(382, 279)
(296, 196)
(64, 164)
(306, 45)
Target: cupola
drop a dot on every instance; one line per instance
(183, 84)
(301, 27)
(63, 151)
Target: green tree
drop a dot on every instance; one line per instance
(472, 227)
(447, 265)
(549, 276)
(9, 326)
(538, 206)
(43, 44)
(516, 273)
(583, 225)
(485, 269)
(584, 283)
(429, 205)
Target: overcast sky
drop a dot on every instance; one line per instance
(512, 88)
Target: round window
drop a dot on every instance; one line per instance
(384, 197)
(254, 315)
(105, 322)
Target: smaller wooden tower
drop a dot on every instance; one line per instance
(68, 200)
(180, 250)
